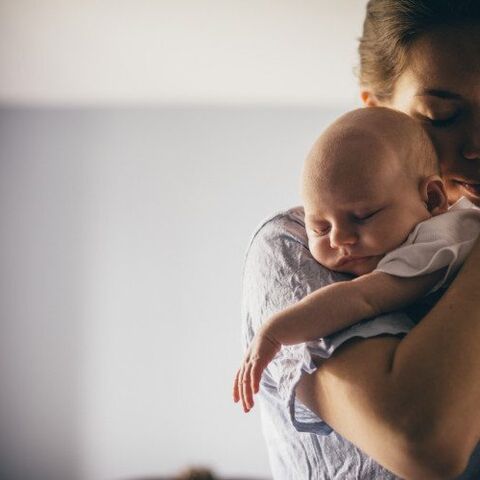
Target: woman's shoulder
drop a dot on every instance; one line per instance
(279, 269)
(284, 226)
(278, 258)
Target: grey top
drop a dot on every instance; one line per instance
(279, 270)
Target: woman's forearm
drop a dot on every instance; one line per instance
(410, 403)
(436, 367)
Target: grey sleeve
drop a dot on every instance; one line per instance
(279, 271)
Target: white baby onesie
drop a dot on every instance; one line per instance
(441, 241)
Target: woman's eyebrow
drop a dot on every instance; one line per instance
(433, 92)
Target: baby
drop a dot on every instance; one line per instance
(376, 208)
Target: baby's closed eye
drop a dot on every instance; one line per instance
(320, 229)
(366, 216)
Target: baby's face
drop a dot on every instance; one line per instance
(358, 214)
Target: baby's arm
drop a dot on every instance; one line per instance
(342, 304)
(324, 312)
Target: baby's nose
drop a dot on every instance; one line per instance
(342, 236)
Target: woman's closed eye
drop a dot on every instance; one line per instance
(442, 122)
(440, 113)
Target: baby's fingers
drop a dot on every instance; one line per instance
(240, 387)
(236, 393)
(247, 388)
(256, 375)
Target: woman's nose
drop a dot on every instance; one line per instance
(342, 236)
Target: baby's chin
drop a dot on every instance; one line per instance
(360, 267)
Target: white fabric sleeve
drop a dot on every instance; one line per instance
(443, 241)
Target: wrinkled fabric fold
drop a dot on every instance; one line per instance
(279, 271)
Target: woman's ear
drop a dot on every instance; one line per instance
(434, 195)
(369, 99)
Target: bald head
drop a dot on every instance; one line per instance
(366, 142)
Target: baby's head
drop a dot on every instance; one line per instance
(368, 180)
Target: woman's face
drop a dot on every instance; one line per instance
(441, 88)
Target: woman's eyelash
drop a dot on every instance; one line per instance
(444, 122)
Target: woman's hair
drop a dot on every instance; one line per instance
(392, 26)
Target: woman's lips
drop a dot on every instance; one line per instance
(473, 188)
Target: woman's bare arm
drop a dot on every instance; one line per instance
(411, 404)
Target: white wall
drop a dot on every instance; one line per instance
(123, 236)
(187, 51)
(141, 142)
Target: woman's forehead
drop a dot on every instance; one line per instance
(447, 60)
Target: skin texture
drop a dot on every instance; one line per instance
(361, 190)
(364, 192)
(395, 398)
(412, 403)
(441, 89)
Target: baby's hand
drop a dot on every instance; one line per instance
(260, 353)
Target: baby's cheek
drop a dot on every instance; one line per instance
(397, 236)
(382, 241)
(373, 238)
(320, 250)
(314, 250)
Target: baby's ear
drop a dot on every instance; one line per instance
(434, 195)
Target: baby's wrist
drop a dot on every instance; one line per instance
(269, 332)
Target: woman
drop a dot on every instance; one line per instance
(386, 398)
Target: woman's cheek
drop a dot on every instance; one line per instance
(447, 146)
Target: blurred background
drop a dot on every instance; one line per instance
(141, 143)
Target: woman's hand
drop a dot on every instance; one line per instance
(260, 353)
